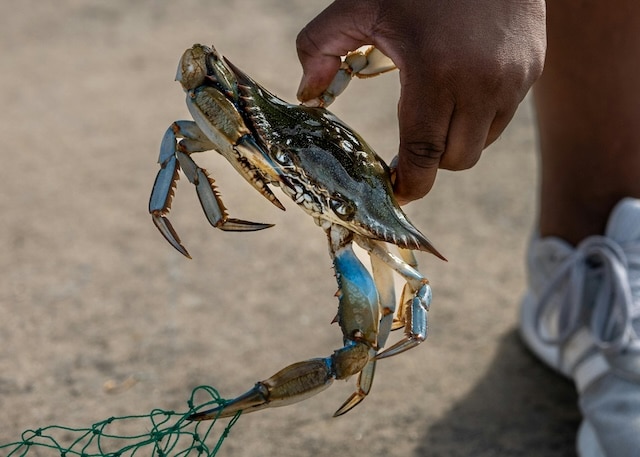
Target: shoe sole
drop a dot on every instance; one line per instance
(587, 443)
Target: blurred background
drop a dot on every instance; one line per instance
(92, 297)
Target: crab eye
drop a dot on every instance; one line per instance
(344, 209)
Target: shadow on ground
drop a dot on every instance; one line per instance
(520, 408)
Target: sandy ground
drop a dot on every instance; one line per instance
(91, 294)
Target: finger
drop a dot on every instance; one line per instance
(411, 183)
(468, 136)
(500, 122)
(416, 174)
(424, 115)
(342, 27)
(470, 132)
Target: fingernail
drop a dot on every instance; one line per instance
(313, 103)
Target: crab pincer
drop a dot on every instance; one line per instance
(358, 320)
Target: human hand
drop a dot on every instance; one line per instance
(465, 65)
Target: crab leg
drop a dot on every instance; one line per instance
(295, 383)
(364, 62)
(162, 193)
(407, 292)
(415, 318)
(416, 297)
(174, 155)
(358, 320)
(210, 199)
(383, 278)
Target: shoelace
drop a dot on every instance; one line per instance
(610, 313)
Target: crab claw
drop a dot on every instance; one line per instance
(363, 386)
(169, 233)
(294, 383)
(290, 385)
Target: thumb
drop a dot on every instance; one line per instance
(342, 27)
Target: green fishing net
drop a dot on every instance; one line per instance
(157, 434)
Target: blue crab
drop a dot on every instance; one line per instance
(334, 176)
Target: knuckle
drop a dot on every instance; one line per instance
(462, 163)
(424, 154)
(427, 155)
(305, 45)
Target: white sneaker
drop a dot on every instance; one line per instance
(581, 316)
